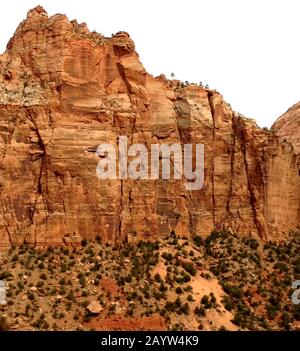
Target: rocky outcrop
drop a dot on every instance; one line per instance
(94, 307)
(288, 127)
(64, 90)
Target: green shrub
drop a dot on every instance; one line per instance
(200, 311)
(281, 266)
(205, 301)
(285, 321)
(198, 240)
(189, 267)
(178, 290)
(5, 275)
(232, 290)
(185, 308)
(238, 319)
(84, 242)
(228, 303)
(296, 312)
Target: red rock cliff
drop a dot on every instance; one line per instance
(64, 90)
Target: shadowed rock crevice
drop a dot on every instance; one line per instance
(212, 111)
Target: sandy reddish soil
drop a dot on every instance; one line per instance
(110, 286)
(203, 287)
(153, 323)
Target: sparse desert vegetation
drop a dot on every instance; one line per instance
(222, 282)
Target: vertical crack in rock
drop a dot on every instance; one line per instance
(252, 198)
(43, 166)
(232, 162)
(123, 76)
(212, 111)
(8, 142)
(6, 222)
(185, 137)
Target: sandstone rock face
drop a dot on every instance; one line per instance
(64, 91)
(288, 127)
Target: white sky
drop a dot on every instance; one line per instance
(246, 49)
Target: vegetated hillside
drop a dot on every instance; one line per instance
(220, 283)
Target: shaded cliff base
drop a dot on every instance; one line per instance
(220, 283)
